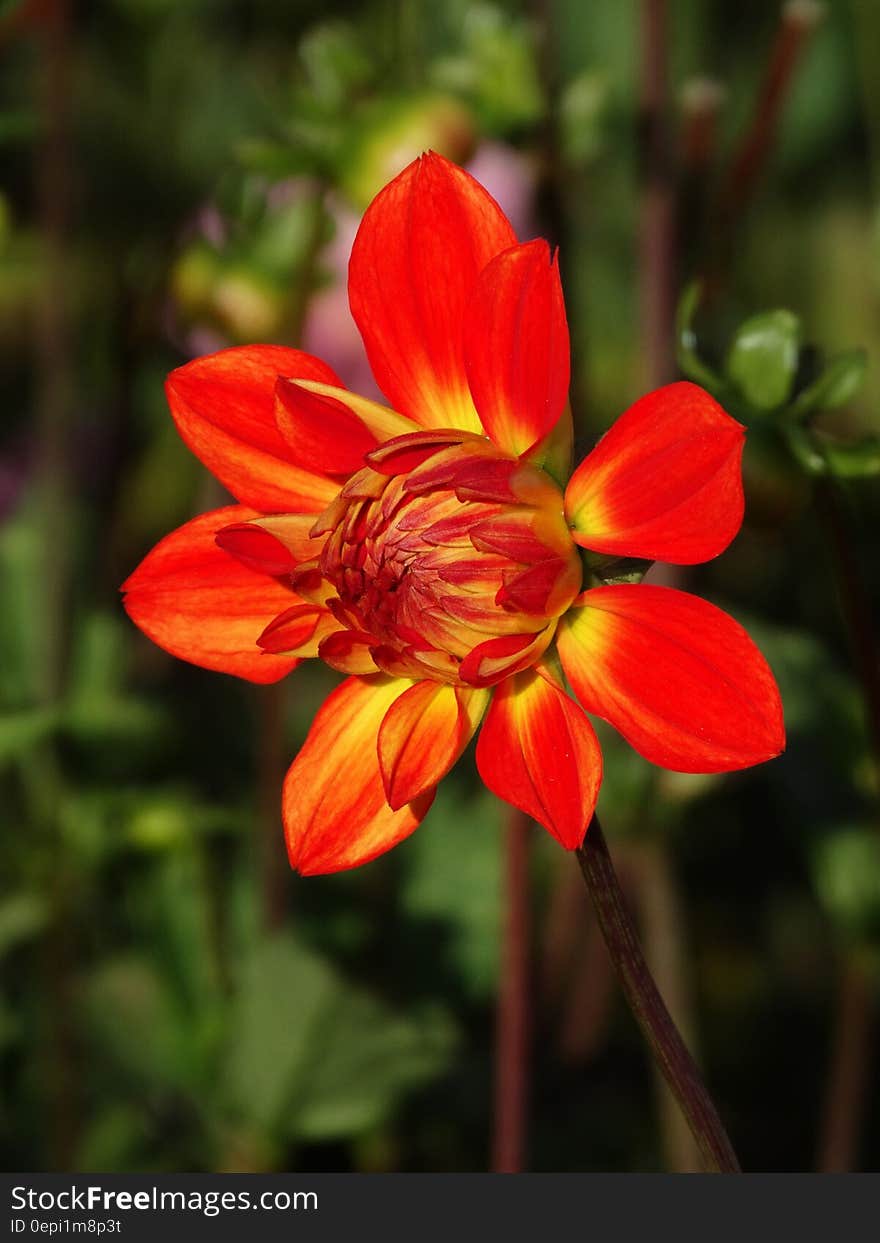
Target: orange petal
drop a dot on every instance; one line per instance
(349, 652)
(421, 246)
(681, 680)
(224, 408)
(538, 751)
(204, 606)
(423, 734)
(665, 483)
(333, 801)
(516, 346)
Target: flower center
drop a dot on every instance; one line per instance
(449, 560)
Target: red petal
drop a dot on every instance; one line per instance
(665, 483)
(293, 628)
(681, 680)
(333, 802)
(423, 734)
(414, 265)
(321, 433)
(330, 430)
(516, 346)
(538, 751)
(255, 547)
(403, 454)
(202, 605)
(224, 408)
(544, 589)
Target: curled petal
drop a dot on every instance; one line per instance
(499, 658)
(414, 265)
(423, 734)
(528, 536)
(255, 547)
(415, 663)
(349, 652)
(516, 346)
(406, 454)
(298, 631)
(224, 408)
(543, 589)
(330, 430)
(680, 679)
(294, 532)
(333, 801)
(204, 606)
(664, 483)
(538, 751)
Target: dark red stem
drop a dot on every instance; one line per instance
(657, 231)
(670, 1052)
(797, 22)
(850, 1064)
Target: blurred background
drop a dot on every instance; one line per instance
(180, 175)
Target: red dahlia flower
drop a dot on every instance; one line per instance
(429, 552)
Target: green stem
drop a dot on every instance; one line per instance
(670, 1052)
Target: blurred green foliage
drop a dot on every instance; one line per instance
(155, 1013)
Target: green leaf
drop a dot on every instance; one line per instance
(841, 379)
(763, 358)
(133, 1023)
(860, 460)
(317, 1057)
(466, 900)
(367, 1059)
(804, 450)
(283, 992)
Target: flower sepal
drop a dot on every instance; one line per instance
(604, 570)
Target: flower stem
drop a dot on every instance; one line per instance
(797, 22)
(667, 1046)
(657, 205)
(512, 1019)
(659, 906)
(846, 1093)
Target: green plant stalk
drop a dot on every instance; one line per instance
(669, 1050)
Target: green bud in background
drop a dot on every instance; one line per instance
(763, 358)
(193, 278)
(393, 132)
(846, 869)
